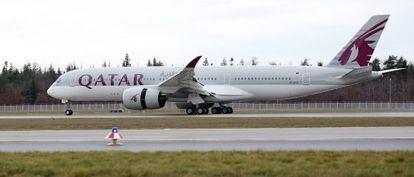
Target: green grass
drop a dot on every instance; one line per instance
(160, 123)
(170, 164)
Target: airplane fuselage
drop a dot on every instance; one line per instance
(256, 82)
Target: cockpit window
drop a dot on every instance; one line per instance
(58, 82)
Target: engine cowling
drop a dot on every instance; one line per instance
(140, 98)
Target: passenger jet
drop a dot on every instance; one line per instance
(200, 90)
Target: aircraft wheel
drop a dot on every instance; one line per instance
(215, 110)
(200, 110)
(205, 110)
(68, 112)
(225, 110)
(190, 111)
(230, 110)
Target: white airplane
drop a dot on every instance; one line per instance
(198, 89)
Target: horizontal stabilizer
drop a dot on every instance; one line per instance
(390, 70)
(358, 72)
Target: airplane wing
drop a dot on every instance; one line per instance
(184, 83)
(184, 80)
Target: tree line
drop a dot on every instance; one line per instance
(392, 87)
(28, 85)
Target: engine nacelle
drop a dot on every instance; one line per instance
(140, 98)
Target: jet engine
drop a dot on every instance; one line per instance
(140, 98)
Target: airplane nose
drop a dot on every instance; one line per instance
(50, 91)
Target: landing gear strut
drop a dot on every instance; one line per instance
(68, 111)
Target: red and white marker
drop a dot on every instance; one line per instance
(115, 136)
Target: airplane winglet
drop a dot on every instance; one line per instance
(193, 62)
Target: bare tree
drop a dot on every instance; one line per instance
(241, 62)
(224, 62)
(254, 61)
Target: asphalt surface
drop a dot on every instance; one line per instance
(287, 115)
(344, 138)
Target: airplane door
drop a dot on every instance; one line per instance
(226, 79)
(306, 78)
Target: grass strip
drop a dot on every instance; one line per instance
(171, 164)
(161, 123)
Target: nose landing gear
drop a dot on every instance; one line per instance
(68, 111)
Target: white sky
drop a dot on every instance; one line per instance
(88, 32)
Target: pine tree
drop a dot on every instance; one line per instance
(70, 67)
(158, 63)
(3, 76)
(391, 62)
(5, 68)
(376, 64)
(127, 61)
(154, 62)
(305, 62)
(59, 72)
(320, 63)
(30, 92)
(224, 62)
(401, 63)
(51, 73)
(410, 70)
(205, 62)
(231, 61)
(149, 64)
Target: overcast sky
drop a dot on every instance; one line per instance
(89, 32)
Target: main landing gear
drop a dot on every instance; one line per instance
(68, 111)
(205, 110)
(222, 110)
(199, 110)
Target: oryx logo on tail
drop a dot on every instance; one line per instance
(360, 50)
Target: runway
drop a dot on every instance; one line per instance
(345, 138)
(281, 115)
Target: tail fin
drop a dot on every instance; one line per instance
(358, 51)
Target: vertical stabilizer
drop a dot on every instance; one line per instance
(357, 52)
